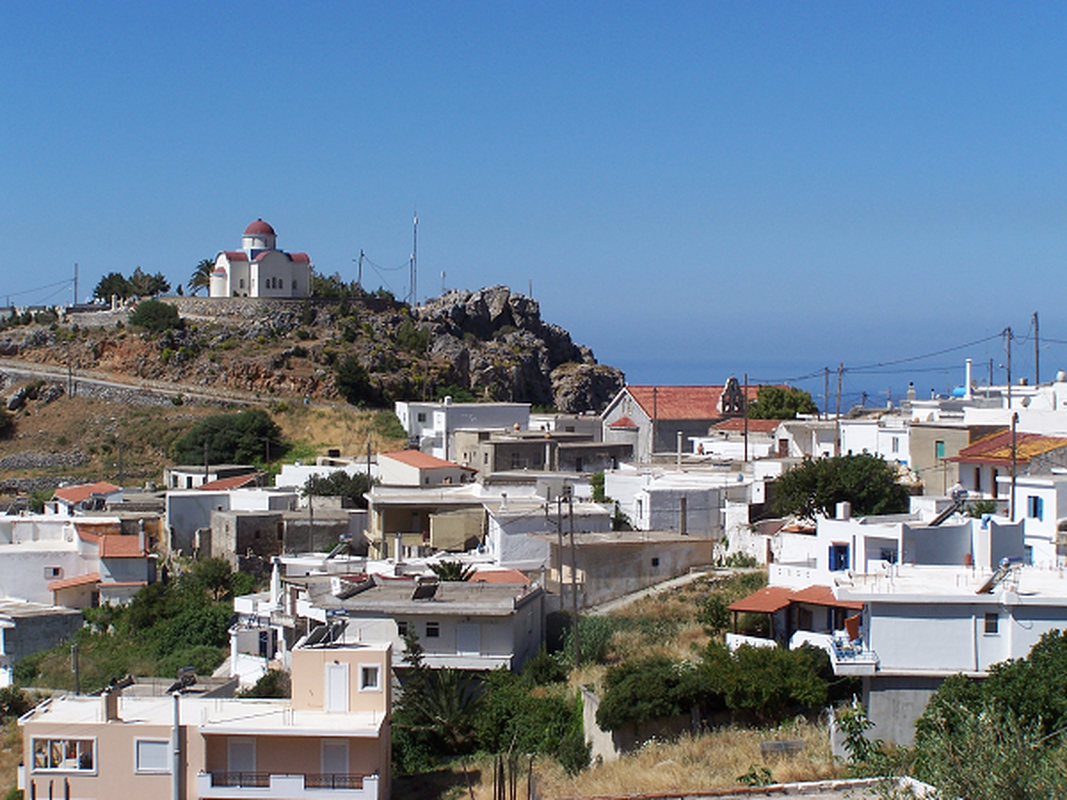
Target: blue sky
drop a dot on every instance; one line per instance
(695, 190)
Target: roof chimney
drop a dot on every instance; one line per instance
(110, 700)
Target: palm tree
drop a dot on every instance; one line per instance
(452, 571)
(201, 278)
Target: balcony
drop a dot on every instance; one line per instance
(329, 786)
(846, 658)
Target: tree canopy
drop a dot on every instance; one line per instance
(201, 277)
(156, 316)
(140, 284)
(231, 438)
(817, 485)
(781, 402)
(340, 484)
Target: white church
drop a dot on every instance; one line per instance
(259, 269)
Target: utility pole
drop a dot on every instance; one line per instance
(359, 270)
(744, 410)
(415, 261)
(837, 413)
(76, 285)
(75, 667)
(826, 393)
(1014, 461)
(1037, 353)
(574, 583)
(1007, 332)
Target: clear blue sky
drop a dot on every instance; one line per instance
(693, 190)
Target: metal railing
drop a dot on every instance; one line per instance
(328, 780)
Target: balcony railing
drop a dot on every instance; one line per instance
(339, 785)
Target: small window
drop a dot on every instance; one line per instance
(896, 444)
(939, 449)
(402, 628)
(51, 573)
(369, 678)
(152, 755)
(433, 630)
(485, 459)
(655, 562)
(294, 285)
(1035, 507)
(241, 283)
(992, 623)
(421, 417)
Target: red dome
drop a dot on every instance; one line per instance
(259, 228)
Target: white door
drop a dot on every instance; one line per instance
(468, 639)
(334, 756)
(241, 754)
(337, 687)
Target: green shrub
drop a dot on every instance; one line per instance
(155, 316)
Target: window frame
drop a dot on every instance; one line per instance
(77, 770)
(374, 668)
(433, 630)
(991, 624)
(138, 769)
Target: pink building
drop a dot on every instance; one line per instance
(331, 741)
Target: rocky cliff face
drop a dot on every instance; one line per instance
(491, 343)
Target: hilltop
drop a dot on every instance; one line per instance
(368, 349)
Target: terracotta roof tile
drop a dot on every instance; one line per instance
(682, 402)
(498, 576)
(121, 547)
(235, 255)
(996, 448)
(235, 482)
(775, 598)
(623, 422)
(80, 580)
(754, 425)
(75, 494)
(300, 258)
(421, 460)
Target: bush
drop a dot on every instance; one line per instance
(156, 316)
(648, 689)
(352, 381)
(275, 683)
(231, 438)
(340, 484)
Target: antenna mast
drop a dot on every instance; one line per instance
(415, 260)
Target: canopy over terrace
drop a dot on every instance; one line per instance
(786, 608)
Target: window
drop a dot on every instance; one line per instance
(939, 449)
(50, 573)
(577, 465)
(402, 628)
(655, 562)
(515, 460)
(485, 458)
(838, 557)
(294, 285)
(370, 678)
(70, 755)
(241, 283)
(1035, 507)
(896, 444)
(992, 623)
(421, 417)
(433, 630)
(152, 755)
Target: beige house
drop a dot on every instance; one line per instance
(331, 741)
(415, 468)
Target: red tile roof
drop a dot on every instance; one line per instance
(235, 255)
(775, 598)
(80, 580)
(682, 402)
(300, 258)
(259, 228)
(766, 601)
(121, 547)
(498, 576)
(824, 596)
(421, 460)
(235, 482)
(623, 422)
(996, 448)
(754, 425)
(75, 494)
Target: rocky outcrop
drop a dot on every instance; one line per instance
(492, 343)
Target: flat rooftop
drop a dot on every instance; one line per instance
(211, 715)
(1028, 585)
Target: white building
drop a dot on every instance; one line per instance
(886, 437)
(516, 528)
(433, 425)
(188, 511)
(259, 269)
(415, 468)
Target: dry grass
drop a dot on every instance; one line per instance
(711, 760)
(10, 754)
(345, 428)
